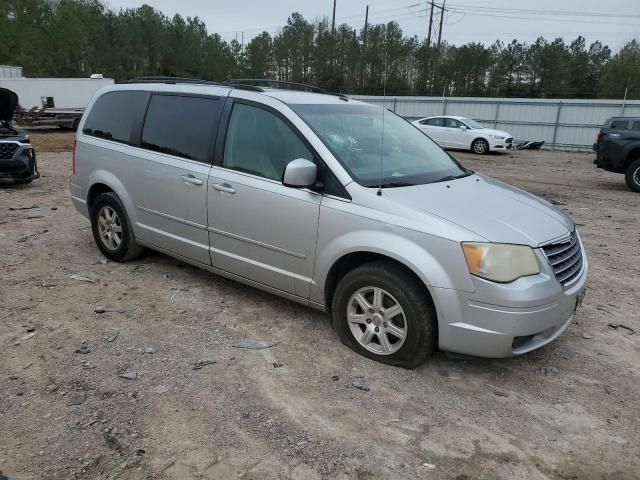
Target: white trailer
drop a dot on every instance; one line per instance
(54, 93)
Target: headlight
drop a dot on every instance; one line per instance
(497, 137)
(500, 262)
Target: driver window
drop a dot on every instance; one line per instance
(260, 143)
(452, 123)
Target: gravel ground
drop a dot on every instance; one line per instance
(567, 411)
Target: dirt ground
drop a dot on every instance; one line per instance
(567, 411)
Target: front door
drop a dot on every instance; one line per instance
(259, 229)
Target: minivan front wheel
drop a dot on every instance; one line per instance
(384, 313)
(632, 176)
(112, 230)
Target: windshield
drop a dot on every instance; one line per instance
(405, 156)
(472, 123)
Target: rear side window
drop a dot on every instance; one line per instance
(636, 125)
(619, 124)
(114, 115)
(182, 126)
(435, 122)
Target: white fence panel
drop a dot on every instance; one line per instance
(560, 123)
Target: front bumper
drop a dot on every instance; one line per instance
(18, 161)
(497, 145)
(505, 320)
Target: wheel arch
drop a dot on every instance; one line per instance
(351, 260)
(632, 154)
(102, 181)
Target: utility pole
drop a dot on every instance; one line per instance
(430, 24)
(333, 21)
(442, 9)
(366, 26)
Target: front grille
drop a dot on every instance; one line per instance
(565, 257)
(7, 149)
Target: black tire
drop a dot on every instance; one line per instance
(419, 314)
(632, 175)
(128, 248)
(480, 146)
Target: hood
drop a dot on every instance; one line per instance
(491, 131)
(8, 104)
(491, 209)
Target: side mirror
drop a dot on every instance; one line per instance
(463, 127)
(300, 173)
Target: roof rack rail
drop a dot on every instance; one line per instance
(277, 83)
(194, 81)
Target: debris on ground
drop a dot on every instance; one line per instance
(335, 378)
(203, 363)
(80, 278)
(161, 389)
(83, 350)
(500, 393)
(629, 330)
(28, 336)
(77, 399)
(129, 375)
(253, 344)
(111, 335)
(277, 364)
(429, 466)
(360, 383)
(443, 372)
(23, 208)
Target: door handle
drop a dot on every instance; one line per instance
(224, 187)
(191, 180)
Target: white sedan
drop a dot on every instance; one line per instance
(464, 133)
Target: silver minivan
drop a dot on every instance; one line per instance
(333, 203)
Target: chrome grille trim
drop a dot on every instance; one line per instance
(566, 258)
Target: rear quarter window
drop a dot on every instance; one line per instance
(636, 125)
(114, 115)
(183, 126)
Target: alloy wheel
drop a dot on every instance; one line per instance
(109, 228)
(377, 320)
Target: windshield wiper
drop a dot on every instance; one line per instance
(453, 177)
(393, 185)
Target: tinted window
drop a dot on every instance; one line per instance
(619, 124)
(114, 114)
(260, 143)
(435, 122)
(636, 125)
(451, 123)
(181, 126)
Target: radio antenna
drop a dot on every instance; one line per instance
(384, 99)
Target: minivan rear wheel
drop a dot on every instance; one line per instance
(112, 230)
(382, 312)
(632, 175)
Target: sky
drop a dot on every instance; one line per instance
(613, 22)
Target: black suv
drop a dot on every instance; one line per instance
(17, 156)
(618, 149)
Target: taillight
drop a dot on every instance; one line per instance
(73, 158)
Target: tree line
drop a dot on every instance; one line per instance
(71, 38)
